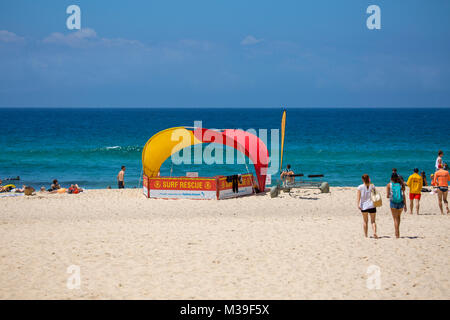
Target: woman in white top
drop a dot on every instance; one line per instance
(365, 204)
(439, 164)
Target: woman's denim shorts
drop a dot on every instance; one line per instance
(395, 205)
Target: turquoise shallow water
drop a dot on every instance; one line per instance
(88, 146)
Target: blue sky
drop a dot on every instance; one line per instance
(213, 53)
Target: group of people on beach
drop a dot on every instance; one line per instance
(10, 187)
(56, 188)
(368, 199)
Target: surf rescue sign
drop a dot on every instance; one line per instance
(182, 188)
(195, 188)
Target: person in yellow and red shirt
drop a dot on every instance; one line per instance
(440, 180)
(415, 184)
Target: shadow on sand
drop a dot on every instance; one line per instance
(404, 237)
(305, 198)
(428, 214)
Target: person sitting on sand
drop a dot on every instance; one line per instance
(74, 188)
(286, 175)
(365, 204)
(440, 180)
(55, 186)
(395, 191)
(43, 189)
(6, 188)
(415, 184)
(20, 190)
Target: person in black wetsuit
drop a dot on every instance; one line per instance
(235, 183)
(235, 179)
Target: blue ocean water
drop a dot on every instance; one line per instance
(88, 146)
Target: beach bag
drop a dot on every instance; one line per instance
(376, 197)
(28, 191)
(396, 190)
(61, 190)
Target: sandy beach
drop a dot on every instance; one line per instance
(306, 246)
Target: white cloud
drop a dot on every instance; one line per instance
(73, 39)
(200, 44)
(250, 40)
(6, 36)
(87, 37)
(117, 42)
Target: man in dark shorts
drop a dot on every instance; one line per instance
(120, 178)
(440, 180)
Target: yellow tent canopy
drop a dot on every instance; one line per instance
(162, 145)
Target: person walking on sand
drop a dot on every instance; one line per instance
(395, 191)
(440, 180)
(121, 178)
(402, 181)
(439, 164)
(415, 184)
(365, 205)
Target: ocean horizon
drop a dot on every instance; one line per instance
(87, 146)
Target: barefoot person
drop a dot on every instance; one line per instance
(440, 180)
(121, 178)
(395, 191)
(415, 184)
(365, 204)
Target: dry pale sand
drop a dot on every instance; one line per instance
(304, 247)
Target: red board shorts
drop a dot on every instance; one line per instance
(414, 196)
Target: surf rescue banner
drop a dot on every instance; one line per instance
(182, 188)
(225, 188)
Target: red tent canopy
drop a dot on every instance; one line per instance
(247, 143)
